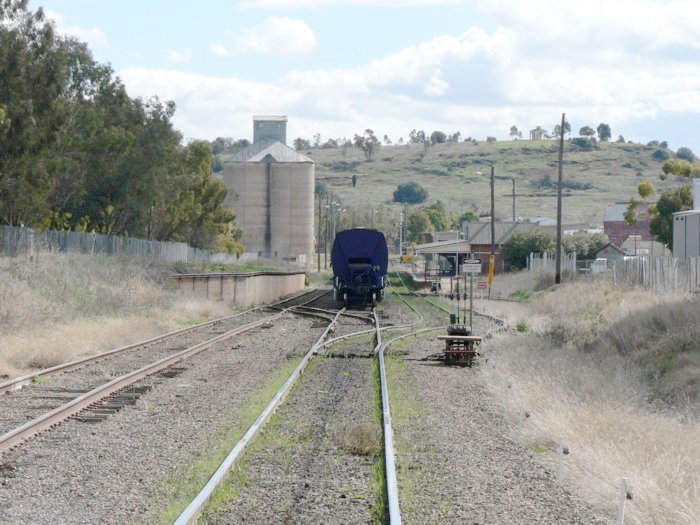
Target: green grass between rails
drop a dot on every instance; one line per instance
(182, 487)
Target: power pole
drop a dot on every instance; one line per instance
(318, 234)
(513, 199)
(492, 257)
(557, 276)
(325, 240)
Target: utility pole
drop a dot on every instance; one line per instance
(557, 276)
(492, 257)
(513, 199)
(318, 234)
(325, 240)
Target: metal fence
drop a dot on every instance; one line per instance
(21, 241)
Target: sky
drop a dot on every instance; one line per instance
(338, 67)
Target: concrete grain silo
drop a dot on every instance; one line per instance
(275, 188)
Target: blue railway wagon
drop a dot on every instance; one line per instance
(360, 258)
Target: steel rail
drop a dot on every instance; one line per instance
(53, 417)
(392, 486)
(59, 414)
(19, 382)
(196, 506)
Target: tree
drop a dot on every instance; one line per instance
(646, 189)
(300, 144)
(661, 155)
(490, 140)
(584, 244)
(514, 133)
(418, 223)
(441, 217)
(354, 180)
(685, 154)
(557, 129)
(454, 137)
(387, 140)
(620, 139)
(330, 144)
(672, 200)
(437, 137)
(586, 131)
(410, 193)
(516, 250)
(469, 216)
(604, 132)
(320, 189)
(368, 143)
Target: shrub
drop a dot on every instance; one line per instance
(660, 155)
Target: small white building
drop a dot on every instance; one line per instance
(538, 134)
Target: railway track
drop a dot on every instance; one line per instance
(84, 387)
(340, 379)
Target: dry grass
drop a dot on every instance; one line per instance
(360, 440)
(597, 399)
(58, 307)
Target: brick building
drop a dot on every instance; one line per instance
(617, 231)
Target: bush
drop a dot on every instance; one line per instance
(585, 144)
(517, 249)
(661, 155)
(686, 154)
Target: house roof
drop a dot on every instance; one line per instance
(268, 150)
(480, 232)
(538, 128)
(614, 247)
(454, 246)
(616, 212)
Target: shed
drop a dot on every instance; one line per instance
(611, 252)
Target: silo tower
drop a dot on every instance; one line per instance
(275, 189)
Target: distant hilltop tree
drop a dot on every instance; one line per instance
(604, 132)
(514, 133)
(300, 144)
(437, 137)
(557, 129)
(586, 131)
(368, 143)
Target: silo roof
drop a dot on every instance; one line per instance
(279, 152)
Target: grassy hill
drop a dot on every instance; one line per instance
(593, 180)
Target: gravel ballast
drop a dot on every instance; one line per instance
(114, 471)
(456, 461)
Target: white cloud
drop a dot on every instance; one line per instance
(220, 50)
(175, 56)
(526, 71)
(436, 86)
(93, 35)
(279, 36)
(312, 4)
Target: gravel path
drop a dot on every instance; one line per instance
(456, 463)
(114, 471)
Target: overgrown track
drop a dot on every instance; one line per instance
(348, 386)
(29, 379)
(82, 393)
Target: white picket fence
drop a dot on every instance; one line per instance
(548, 261)
(22, 241)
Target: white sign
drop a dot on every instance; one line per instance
(473, 266)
